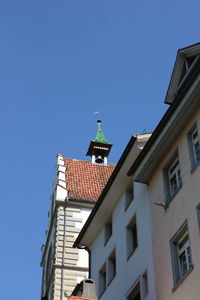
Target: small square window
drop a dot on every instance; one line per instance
(102, 280)
(129, 195)
(181, 253)
(132, 241)
(172, 177)
(108, 232)
(111, 266)
(194, 146)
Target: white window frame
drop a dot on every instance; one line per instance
(184, 251)
(194, 146)
(172, 177)
(181, 254)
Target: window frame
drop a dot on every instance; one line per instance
(194, 160)
(107, 273)
(178, 254)
(171, 172)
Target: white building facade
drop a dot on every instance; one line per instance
(118, 234)
(170, 168)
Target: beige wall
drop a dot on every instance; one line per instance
(166, 223)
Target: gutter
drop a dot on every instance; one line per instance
(105, 190)
(165, 119)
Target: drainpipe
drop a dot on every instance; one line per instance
(89, 255)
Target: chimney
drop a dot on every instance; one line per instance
(85, 289)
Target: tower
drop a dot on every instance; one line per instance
(99, 147)
(76, 188)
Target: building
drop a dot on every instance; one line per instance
(118, 234)
(146, 246)
(169, 167)
(76, 187)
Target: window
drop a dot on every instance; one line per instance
(111, 267)
(181, 254)
(172, 177)
(132, 242)
(107, 273)
(198, 214)
(145, 283)
(108, 232)
(102, 280)
(135, 293)
(194, 146)
(129, 195)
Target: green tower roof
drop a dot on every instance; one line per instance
(100, 138)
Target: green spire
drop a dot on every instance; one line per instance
(100, 138)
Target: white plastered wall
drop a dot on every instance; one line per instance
(127, 271)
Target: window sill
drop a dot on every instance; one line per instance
(194, 167)
(172, 197)
(182, 279)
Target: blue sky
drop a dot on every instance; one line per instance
(60, 61)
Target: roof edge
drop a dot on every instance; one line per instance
(166, 117)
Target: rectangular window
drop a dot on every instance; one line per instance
(131, 232)
(111, 266)
(194, 146)
(102, 280)
(107, 273)
(129, 195)
(108, 232)
(181, 253)
(135, 293)
(172, 177)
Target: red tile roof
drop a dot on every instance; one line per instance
(86, 180)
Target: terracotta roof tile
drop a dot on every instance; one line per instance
(86, 180)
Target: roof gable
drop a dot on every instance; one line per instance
(186, 60)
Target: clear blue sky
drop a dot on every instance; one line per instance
(60, 61)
